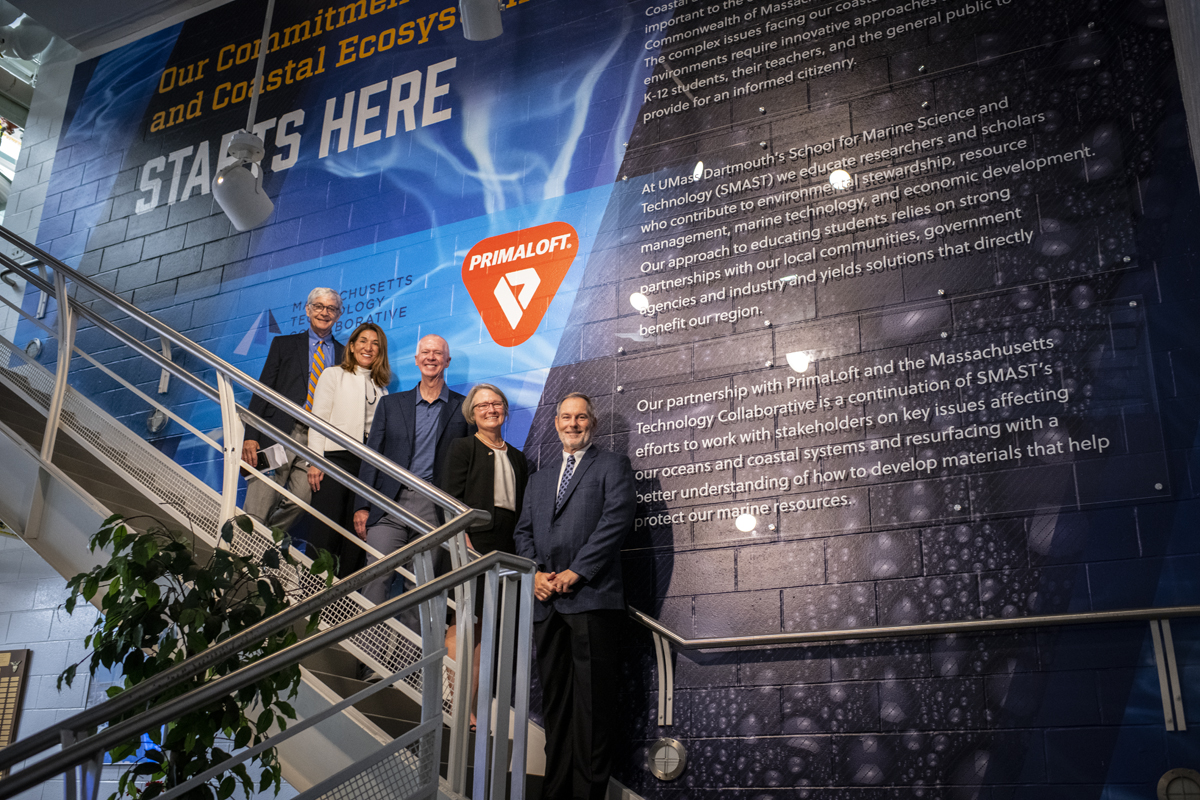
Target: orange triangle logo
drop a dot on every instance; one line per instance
(513, 278)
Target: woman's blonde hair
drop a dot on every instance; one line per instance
(381, 369)
(468, 406)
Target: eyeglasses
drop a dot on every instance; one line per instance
(482, 406)
(321, 308)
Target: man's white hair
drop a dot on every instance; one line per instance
(321, 292)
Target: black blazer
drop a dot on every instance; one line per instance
(470, 475)
(393, 434)
(286, 371)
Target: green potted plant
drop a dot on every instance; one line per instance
(165, 600)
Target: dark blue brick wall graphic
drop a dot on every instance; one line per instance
(962, 388)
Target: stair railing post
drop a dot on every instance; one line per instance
(66, 347)
(504, 677)
(433, 638)
(232, 431)
(464, 657)
(487, 661)
(89, 777)
(82, 782)
(524, 643)
(69, 783)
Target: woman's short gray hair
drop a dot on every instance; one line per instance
(468, 406)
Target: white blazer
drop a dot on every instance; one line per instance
(341, 399)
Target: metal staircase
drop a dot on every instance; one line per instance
(70, 464)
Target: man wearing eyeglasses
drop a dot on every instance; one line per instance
(293, 365)
(414, 430)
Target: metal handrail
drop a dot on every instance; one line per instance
(233, 417)
(222, 367)
(206, 390)
(918, 629)
(147, 690)
(159, 360)
(80, 752)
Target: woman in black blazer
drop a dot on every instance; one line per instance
(486, 472)
(470, 472)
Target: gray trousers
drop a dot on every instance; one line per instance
(390, 534)
(266, 504)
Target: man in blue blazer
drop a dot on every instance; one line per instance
(414, 430)
(290, 369)
(577, 512)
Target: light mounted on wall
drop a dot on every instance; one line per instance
(840, 179)
(799, 361)
(480, 19)
(237, 189)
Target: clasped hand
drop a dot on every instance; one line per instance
(548, 584)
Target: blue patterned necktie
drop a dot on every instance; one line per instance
(566, 480)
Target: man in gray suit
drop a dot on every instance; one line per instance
(577, 512)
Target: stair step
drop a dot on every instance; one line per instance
(388, 703)
(333, 661)
(390, 709)
(76, 460)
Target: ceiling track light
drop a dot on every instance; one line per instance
(238, 187)
(480, 19)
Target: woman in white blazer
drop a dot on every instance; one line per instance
(346, 396)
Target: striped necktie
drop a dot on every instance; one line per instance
(568, 471)
(314, 373)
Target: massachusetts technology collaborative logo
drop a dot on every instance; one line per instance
(513, 278)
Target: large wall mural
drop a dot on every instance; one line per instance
(890, 303)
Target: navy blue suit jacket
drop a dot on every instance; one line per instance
(286, 371)
(393, 434)
(586, 534)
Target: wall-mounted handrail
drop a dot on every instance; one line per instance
(234, 374)
(150, 688)
(917, 629)
(115, 734)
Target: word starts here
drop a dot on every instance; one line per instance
(367, 115)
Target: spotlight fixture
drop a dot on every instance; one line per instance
(840, 179)
(799, 361)
(25, 40)
(698, 172)
(480, 19)
(639, 301)
(238, 188)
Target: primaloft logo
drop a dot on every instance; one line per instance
(513, 278)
